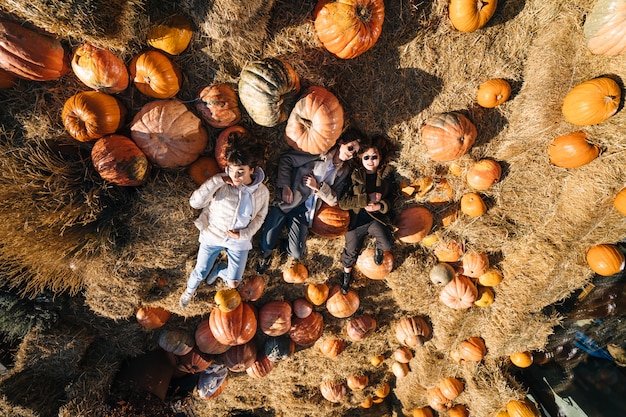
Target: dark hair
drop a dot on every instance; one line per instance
(350, 135)
(384, 146)
(242, 148)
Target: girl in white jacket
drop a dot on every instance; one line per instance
(234, 205)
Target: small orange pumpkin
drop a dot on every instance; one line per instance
(330, 221)
(100, 69)
(275, 317)
(412, 331)
(491, 278)
(152, 317)
(472, 349)
(451, 387)
(448, 250)
(483, 174)
(218, 105)
(317, 293)
(592, 102)
(572, 150)
(422, 412)
(448, 136)
(306, 331)
(475, 264)
(203, 168)
(472, 204)
(493, 92)
(91, 115)
(296, 274)
(155, 75)
(436, 400)
(413, 224)
(470, 15)
(342, 305)
(119, 160)
(359, 328)
(521, 359)
(366, 265)
(357, 382)
(459, 410)
(620, 201)
(333, 391)
(332, 347)
(171, 36)
(524, 408)
(460, 293)
(605, 259)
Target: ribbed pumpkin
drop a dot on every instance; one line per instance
(493, 92)
(366, 265)
(296, 274)
(332, 347)
(605, 259)
(316, 121)
(317, 294)
(472, 349)
(592, 102)
(413, 224)
(448, 136)
(412, 331)
(227, 299)
(605, 27)
(252, 288)
(470, 15)
(473, 205)
(171, 36)
(234, 327)
(333, 391)
(222, 141)
(302, 307)
(176, 341)
(620, 201)
(239, 358)
(460, 293)
(524, 408)
(206, 341)
(218, 105)
(306, 331)
(168, 133)
(475, 264)
(357, 382)
(203, 168)
(437, 400)
(483, 174)
(268, 89)
(348, 28)
(100, 69)
(194, 361)
(572, 150)
(91, 115)
(342, 305)
(521, 359)
(330, 221)
(275, 317)
(155, 75)
(119, 160)
(7, 79)
(29, 55)
(359, 328)
(152, 317)
(451, 387)
(261, 366)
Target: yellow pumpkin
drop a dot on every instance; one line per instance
(521, 359)
(491, 278)
(517, 408)
(572, 150)
(485, 297)
(620, 201)
(492, 93)
(592, 102)
(228, 299)
(605, 259)
(172, 36)
(470, 15)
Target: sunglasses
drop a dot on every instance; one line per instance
(352, 150)
(372, 157)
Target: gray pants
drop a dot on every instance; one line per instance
(356, 237)
(297, 231)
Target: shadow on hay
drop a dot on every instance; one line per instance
(505, 11)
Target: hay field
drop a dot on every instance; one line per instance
(62, 228)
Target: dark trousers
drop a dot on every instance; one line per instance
(297, 231)
(356, 237)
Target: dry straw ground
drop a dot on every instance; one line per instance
(62, 228)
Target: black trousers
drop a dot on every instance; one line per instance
(297, 230)
(356, 237)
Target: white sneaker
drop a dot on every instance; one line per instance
(185, 299)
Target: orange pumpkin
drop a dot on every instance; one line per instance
(448, 250)
(491, 278)
(524, 408)
(492, 93)
(168, 133)
(306, 331)
(100, 69)
(448, 136)
(275, 317)
(459, 410)
(29, 55)
(348, 28)
(206, 341)
(317, 294)
(620, 201)
(470, 15)
(332, 347)
(572, 150)
(203, 168)
(605, 259)
(152, 317)
(316, 121)
(91, 115)
(333, 391)
(296, 274)
(119, 160)
(475, 264)
(172, 36)
(460, 293)
(7, 80)
(239, 358)
(422, 412)
(357, 382)
(155, 75)
(218, 105)
(194, 361)
(592, 102)
(413, 224)
(521, 359)
(366, 265)
(412, 331)
(483, 174)
(252, 288)
(261, 366)
(451, 387)
(359, 328)
(330, 221)
(342, 305)
(473, 349)
(436, 400)
(222, 142)
(472, 204)
(605, 28)
(233, 327)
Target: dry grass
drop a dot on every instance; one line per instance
(81, 234)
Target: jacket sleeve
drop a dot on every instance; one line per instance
(330, 194)
(286, 164)
(355, 199)
(203, 196)
(261, 198)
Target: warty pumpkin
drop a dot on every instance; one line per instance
(493, 92)
(473, 205)
(470, 15)
(119, 161)
(168, 133)
(203, 168)
(605, 259)
(171, 36)
(332, 347)
(155, 75)
(605, 27)
(359, 328)
(152, 317)
(330, 221)
(234, 327)
(90, 115)
(222, 141)
(333, 391)
(348, 28)
(316, 121)
(100, 69)
(620, 201)
(412, 331)
(342, 305)
(413, 224)
(268, 89)
(592, 102)
(306, 331)
(448, 136)
(275, 317)
(366, 265)
(460, 293)
(218, 105)
(483, 174)
(30, 55)
(206, 341)
(572, 150)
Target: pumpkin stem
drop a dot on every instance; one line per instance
(305, 122)
(363, 13)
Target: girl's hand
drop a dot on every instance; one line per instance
(287, 195)
(233, 233)
(373, 207)
(311, 182)
(375, 197)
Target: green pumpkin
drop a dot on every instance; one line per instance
(605, 27)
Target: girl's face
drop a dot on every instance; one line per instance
(348, 150)
(240, 174)
(370, 160)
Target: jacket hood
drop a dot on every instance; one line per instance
(259, 177)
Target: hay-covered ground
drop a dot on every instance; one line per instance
(62, 228)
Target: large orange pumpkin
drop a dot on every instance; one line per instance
(572, 150)
(90, 115)
(222, 141)
(218, 105)
(493, 92)
(155, 75)
(275, 317)
(460, 293)
(592, 102)
(413, 224)
(234, 327)
(206, 341)
(470, 15)
(316, 121)
(203, 168)
(348, 28)
(448, 136)
(412, 331)
(305, 331)
(168, 133)
(171, 36)
(330, 221)
(605, 27)
(342, 305)
(620, 201)
(7, 79)
(241, 357)
(152, 317)
(483, 174)
(100, 69)
(119, 160)
(605, 259)
(366, 265)
(29, 55)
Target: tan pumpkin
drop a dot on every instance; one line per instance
(227, 299)
(493, 92)
(168, 133)
(605, 28)
(342, 305)
(441, 274)
(119, 161)
(475, 264)
(473, 205)
(239, 358)
(402, 355)
(491, 278)
(521, 359)
(348, 28)
(620, 201)
(572, 150)
(268, 89)
(413, 224)
(359, 328)
(483, 174)
(302, 307)
(412, 331)
(333, 391)
(176, 341)
(448, 250)
(234, 327)
(261, 366)
(275, 317)
(152, 317)
(472, 349)
(357, 382)
(605, 259)
(155, 75)
(90, 115)
(316, 121)
(330, 221)
(7, 79)
(451, 387)
(422, 412)
(448, 136)
(332, 347)
(366, 265)
(459, 410)
(100, 69)
(206, 341)
(436, 400)
(485, 297)
(203, 168)
(470, 15)
(222, 142)
(172, 36)
(592, 102)
(296, 274)
(218, 105)
(399, 369)
(306, 331)
(30, 55)
(460, 293)
(317, 294)
(523, 408)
